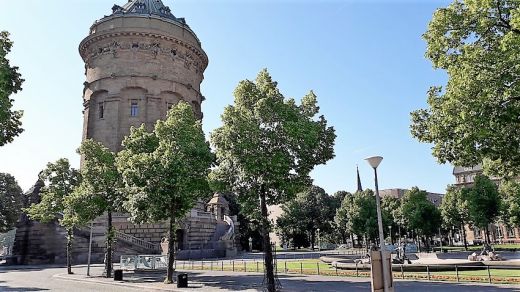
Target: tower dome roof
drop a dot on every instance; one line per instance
(146, 8)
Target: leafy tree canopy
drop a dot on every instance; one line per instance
(483, 202)
(269, 140)
(10, 201)
(454, 207)
(510, 207)
(419, 213)
(10, 83)
(475, 118)
(166, 170)
(60, 180)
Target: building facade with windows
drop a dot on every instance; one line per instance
(499, 233)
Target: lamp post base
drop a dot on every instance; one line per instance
(377, 271)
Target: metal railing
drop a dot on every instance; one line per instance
(144, 262)
(448, 273)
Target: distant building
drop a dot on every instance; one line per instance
(435, 198)
(499, 233)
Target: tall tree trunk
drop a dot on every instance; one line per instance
(488, 239)
(171, 249)
(418, 238)
(313, 238)
(69, 250)
(110, 240)
(268, 254)
(464, 237)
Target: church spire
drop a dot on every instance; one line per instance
(359, 188)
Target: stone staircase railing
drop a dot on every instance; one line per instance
(137, 241)
(132, 240)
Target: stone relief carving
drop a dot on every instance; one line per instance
(154, 48)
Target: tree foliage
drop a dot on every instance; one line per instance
(475, 117)
(10, 83)
(100, 190)
(311, 210)
(361, 214)
(10, 202)
(166, 171)
(483, 203)
(267, 147)
(60, 180)
(454, 207)
(419, 213)
(510, 207)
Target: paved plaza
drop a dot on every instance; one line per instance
(53, 278)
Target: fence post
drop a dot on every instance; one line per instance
(184, 265)
(457, 272)
(428, 272)
(257, 267)
(318, 266)
(222, 265)
(192, 263)
(202, 265)
(357, 271)
(489, 275)
(336, 269)
(301, 268)
(402, 272)
(245, 268)
(285, 266)
(233, 266)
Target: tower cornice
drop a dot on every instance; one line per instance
(96, 37)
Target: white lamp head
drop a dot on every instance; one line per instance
(374, 161)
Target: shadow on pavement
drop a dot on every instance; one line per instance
(4, 287)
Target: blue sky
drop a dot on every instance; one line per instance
(364, 60)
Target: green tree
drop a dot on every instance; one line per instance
(100, 190)
(341, 217)
(454, 210)
(10, 202)
(362, 216)
(483, 203)
(166, 171)
(420, 214)
(267, 147)
(475, 117)
(391, 206)
(10, 83)
(60, 181)
(309, 211)
(510, 207)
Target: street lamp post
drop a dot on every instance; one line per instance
(374, 163)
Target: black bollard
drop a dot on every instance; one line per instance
(118, 275)
(182, 280)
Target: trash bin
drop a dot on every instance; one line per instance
(118, 275)
(182, 280)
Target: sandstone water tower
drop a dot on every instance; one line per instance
(139, 61)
